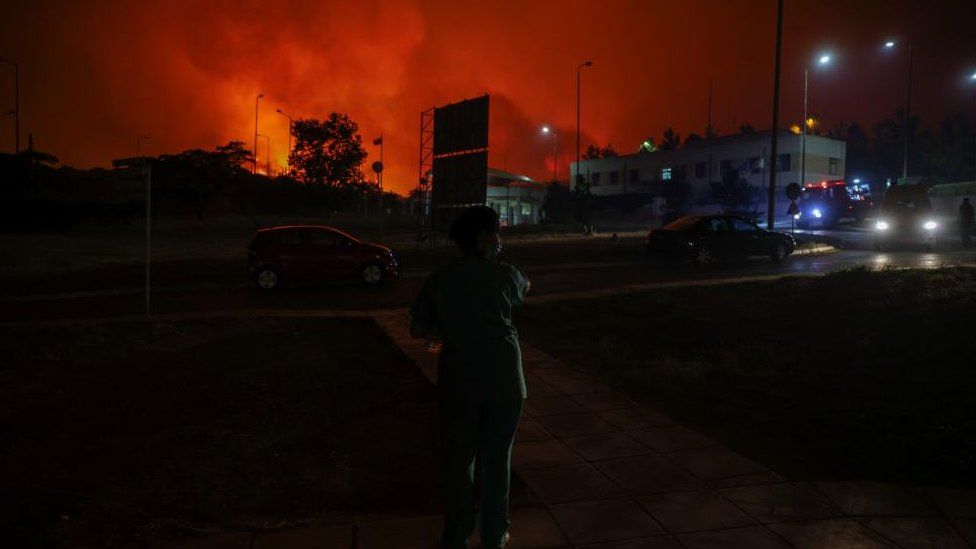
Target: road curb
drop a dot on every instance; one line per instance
(815, 250)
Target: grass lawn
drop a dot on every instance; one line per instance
(134, 432)
(856, 375)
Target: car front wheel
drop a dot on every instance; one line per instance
(268, 278)
(371, 274)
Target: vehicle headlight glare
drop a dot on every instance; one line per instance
(930, 225)
(817, 213)
(881, 225)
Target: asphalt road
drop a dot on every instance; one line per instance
(553, 268)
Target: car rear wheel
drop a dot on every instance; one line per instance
(268, 279)
(371, 274)
(778, 253)
(703, 256)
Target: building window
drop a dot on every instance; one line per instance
(725, 167)
(634, 176)
(755, 164)
(783, 162)
(595, 179)
(614, 177)
(833, 166)
(526, 209)
(665, 174)
(700, 170)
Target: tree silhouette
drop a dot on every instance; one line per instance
(594, 152)
(671, 140)
(327, 152)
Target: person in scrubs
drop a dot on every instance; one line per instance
(465, 310)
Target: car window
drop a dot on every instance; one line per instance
(290, 238)
(323, 239)
(719, 225)
(742, 226)
(681, 224)
(264, 239)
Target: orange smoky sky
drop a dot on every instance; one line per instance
(97, 75)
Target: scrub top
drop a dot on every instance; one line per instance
(468, 304)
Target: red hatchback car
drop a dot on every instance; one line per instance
(312, 253)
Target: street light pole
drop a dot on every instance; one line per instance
(771, 202)
(824, 59)
(288, 116)
(254, 162)
(267, 161)
(16, 103)
(548, 130)
(578, 67)
(803, 131)
(908, 112)
(972, 79)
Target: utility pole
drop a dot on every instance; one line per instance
(145, 167)
(16, 103)
(708, 126)
(578, 67)
(774, 167)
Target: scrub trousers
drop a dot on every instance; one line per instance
(471, 428)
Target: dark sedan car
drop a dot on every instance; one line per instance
(707, 238)
(313, 253)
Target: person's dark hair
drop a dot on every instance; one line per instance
(470, 224)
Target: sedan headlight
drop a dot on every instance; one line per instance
(930, 225)
(881, 225)
(817, 213)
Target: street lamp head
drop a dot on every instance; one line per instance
(546, 129)
(889, 44)
(279, 111)
(588, 64)
(824, 59)
(260, 95)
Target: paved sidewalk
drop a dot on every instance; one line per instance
(610, 473)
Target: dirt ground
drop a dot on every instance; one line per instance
(856, 375)
(117, 433)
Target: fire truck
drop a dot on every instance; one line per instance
(824, 204)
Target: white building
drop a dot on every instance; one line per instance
(705, 161)
(517, 198)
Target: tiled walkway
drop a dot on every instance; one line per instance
(610, 473)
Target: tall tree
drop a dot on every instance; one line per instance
(235, 157)
(327, 152)
(671, 140)
(594, 152)
(947, 154)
